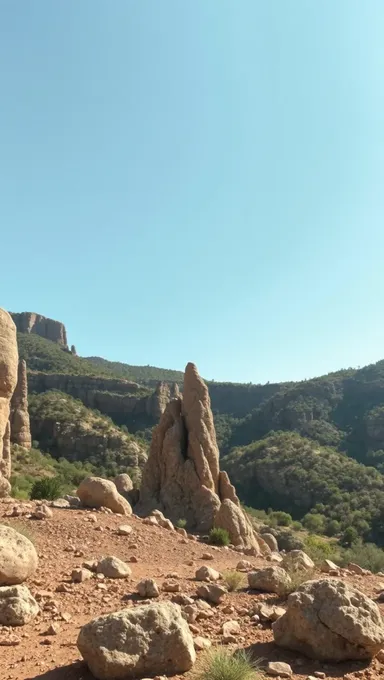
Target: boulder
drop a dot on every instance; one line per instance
(271, 541)
(148, 588)
(328, 566)
(211, 593)
(145, 641)
(17, 606)
(328, 620)
(297, 560)
(8, 379)
(270, 580)
(19, 416)
(205, 573)
(43, 511)
(112, 567)
(95, 492)
(124, 485)
(279, 669)
(18, 557)
(231, 517)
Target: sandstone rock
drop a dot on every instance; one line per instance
(18, 557)
(328, 566)
(230, 628)
(269, 580)
(148, 640)
(297, 560)
(112, 567)
(124, 485)
(330, 621)
(267, 612)
(158, 401)
(148, 588)
(205, 573)
(244, 565)
(17, 606)
(211, 593)
(19, 416)
(8, 380)
(29, 322)
(171, 586)
(61, 503)
(202, 643)
(80, 575)
(42, 512)
(124, 530)
(182, 476)
(151, 521)
(271, 541)
(279, 668)
(95, 492)
(356, 569)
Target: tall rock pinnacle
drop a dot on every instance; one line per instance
(8, 380)
(19, 417)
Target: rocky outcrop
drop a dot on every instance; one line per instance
(329, 620)
(182, 476)
(29, 322)
(8, 380)
(157, 402)
(145, 641)
(19, 417)
(17, 606)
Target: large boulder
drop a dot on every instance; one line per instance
(143, 641)
(124, 484)
(270, 580)
(329, 620)
(8, 379)
(17, 606)
(95, 492)
(18, 557)
(232, 518)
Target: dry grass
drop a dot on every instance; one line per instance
(234, 580)
(298, 576)
(220, 663)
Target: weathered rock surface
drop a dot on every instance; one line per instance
(95, 492)
(269, 580)
(8, 379)
(123, 484)
(19, 416)
(297, 560)
(145, 641)
(330, 621)
(29, 322)
(17, 606)
(271, 541)
(113, 567)
(211, 593)
(18, 557)
(182, 476)
(148, 588)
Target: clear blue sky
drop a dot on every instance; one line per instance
(197, 180)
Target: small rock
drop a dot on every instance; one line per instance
(112, 567)
(43, 512)
(319, 674)
(171, 586)
(80, 575)
(205, 573)
(207, 556)
(279, 668)
(201, 643)
(211, 593)
(124, 530)
(356, 569)
(148, 588)
(53, 629)
(244, 565)
(152, 521)
(230, 628)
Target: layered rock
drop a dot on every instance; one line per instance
(182, 476)
(19, 417)
(8, 380)
(29, 322)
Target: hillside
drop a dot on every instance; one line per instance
(140, 374)
(285, 471)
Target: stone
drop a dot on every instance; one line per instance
(328, 566)
(297, 560)
(112, 567)
(211, 593)
(171, 586)
(148, 588)
(205, 573)
(80, 575)
(202, 643)
(230, 628)
(182, 476)
(18, 557)
(356, 569)
(95, 492)
(42, 512)
(9, 360)
(329, 620)
(61, 504)
(29, 322)
(271, 541)
(279, 668)
(267, 612)
(17, 606)
(270, 580)
(244, 565)
(124, 530)
(143, 641)
(19, 416)
(124, 485)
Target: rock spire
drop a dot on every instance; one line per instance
(8, 380)
(19, 418)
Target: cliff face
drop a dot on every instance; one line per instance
(8, 379)
(29, 322)
(19, 416)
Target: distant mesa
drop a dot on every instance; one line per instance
(29, 322)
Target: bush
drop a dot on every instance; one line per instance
(296, 526)
(219, 537)
(319, 549)
(47, 488)
(298, 577)
(181, 523)
(282, 519)
(366, 555)
(233, 580)
(315, 523)
(221, 664)
(349, 537)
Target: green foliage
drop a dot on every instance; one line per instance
(314, 523)
(48, 488)
(233, 580)
(140, 374)
(349, 537)
(296, 526)
(181, 523)
(220, 663)
(366, 555)
(297, 576)
(320, 549)
(279, 518)
(219, 537)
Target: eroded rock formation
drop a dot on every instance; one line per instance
(29, 322)
(8, 380)
(19, 417)
(182, 476)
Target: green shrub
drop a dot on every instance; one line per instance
(366, 555)
(233, 580)
(349, 537)
(296, 526)
(220, 663)
(181, 523)
(315, 523)
(282, 519)
(298, 576)
(319, 549)
(47, 488)
(219, 537)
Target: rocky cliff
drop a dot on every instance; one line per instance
(19, 416)
(8, 380)
(182, 476)
(29, 322)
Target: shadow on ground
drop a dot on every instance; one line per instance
(73, 671)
